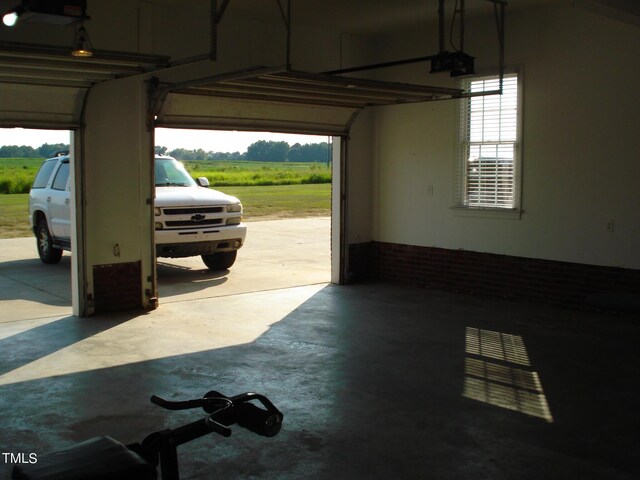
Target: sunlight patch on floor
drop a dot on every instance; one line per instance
(502, 381)
(17, 325)
(178, 328)
(501, 346)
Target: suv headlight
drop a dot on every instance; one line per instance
(234, 208)
(157, 211)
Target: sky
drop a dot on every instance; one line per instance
(216, 141)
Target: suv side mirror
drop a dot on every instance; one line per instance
(203, 182)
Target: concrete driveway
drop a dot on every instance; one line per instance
(277, 254)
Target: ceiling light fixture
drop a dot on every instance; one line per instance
(11, 17)
(81, 44)
(52, 12)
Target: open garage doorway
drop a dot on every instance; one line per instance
(285, 245)
(33, 289)
(284, 182)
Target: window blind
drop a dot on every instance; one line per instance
(489, 141)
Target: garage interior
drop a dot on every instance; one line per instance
(453, 342)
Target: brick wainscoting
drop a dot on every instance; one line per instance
(464, 271)
(117, 287)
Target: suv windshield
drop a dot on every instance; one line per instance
(171, 173)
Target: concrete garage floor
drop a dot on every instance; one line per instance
(375, 381)
(277, 254)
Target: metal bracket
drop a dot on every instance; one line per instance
(216, 18)
(156, 96)
(287, 22)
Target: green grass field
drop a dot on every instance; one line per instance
(283, 201)
(267, 190)
(243, 173)
(17, 174)
(260, 203)
(14, 216)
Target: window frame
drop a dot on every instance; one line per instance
(461, 206)
(64, 170)
(43, 176)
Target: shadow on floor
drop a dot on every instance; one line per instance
(31, 280)
(374, 382)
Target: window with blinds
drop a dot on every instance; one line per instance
(489, 144)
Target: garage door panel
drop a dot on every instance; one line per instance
(214, 112)
(35, 106)
(200, 111)
(43, 86)
(280, 99)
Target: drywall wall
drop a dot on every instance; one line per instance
(581, 163)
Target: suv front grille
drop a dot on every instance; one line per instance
(191, 210)
(194, 223)
(195, 218)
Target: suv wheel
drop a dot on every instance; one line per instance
(47, 252)
(220, 261)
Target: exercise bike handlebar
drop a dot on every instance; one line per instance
(93, 458)
(224, 411)
(205, 403)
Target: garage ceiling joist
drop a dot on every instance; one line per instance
(278, 99)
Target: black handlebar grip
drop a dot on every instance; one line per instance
(173, 405)
(262, 422)
(159, 401)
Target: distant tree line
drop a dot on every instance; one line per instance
(260, 151)
(24, 151)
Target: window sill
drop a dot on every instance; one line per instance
(482, 212)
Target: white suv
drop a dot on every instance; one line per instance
(190, 219)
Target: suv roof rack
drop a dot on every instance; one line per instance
(61, 153)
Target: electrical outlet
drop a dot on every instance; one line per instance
(610, 226)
